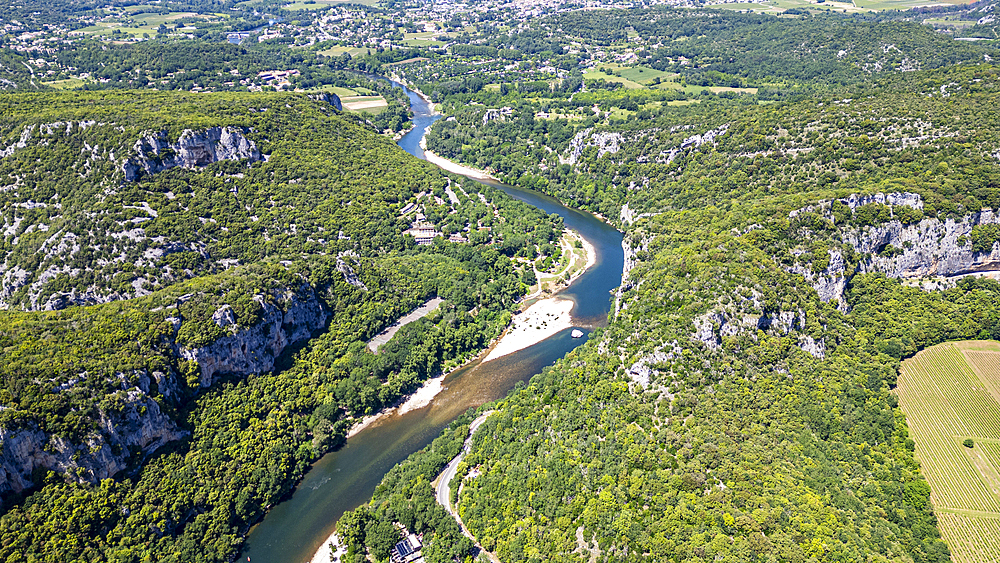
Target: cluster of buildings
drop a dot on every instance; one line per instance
(280, 79)
(358, 28)
(37, 42)
(423, 231)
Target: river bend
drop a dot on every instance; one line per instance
(342, 480)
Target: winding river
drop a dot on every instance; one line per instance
(293, 530)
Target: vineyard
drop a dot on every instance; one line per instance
(950, 393)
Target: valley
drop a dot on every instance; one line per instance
(678, 281)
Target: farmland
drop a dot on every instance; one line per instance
(950, 394)
(778, 6)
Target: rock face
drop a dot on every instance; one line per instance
(930, 248)
(831, 282)
(254, 349)
(155, 153)
(330, 98)
(713, 326)
(630, 253)
(349, 274)
(138, 425)
(855, 201)
(612, 142)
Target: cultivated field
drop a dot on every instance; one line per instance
(949, 393)
(855, 6)
(370, 104)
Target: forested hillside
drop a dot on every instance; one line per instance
(781, 260)
(192, 266)
(820, 48)
(211, 267)
(852, 139)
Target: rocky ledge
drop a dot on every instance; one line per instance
(138, 425)
(154, 153)
(929, 248)
(254, 349)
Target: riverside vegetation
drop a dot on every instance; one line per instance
(191, 278)
(782, 259)
(213, 296)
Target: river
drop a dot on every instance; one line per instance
(342, 480)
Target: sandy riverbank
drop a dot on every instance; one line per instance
(540, 321)
(417, 400)
(454, 167)
(423, 396)
(591, 255)
(544, 318)
(323, 554)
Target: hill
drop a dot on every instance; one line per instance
(190, 282)
(781, 259)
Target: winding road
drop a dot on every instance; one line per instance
(443, 488)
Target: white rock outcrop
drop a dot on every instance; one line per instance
(252, 350)
(154, 153)
(929, 248)
(138, 423)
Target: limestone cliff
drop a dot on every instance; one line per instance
(330, 98)
(929, 248)
(254, 349)
(137, 425)
(154, 153)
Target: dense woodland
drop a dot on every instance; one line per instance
(871, 138)
(684, 431)
(736, 408)
(295, 224)
(707, 422)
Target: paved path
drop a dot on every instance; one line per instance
(444, 482)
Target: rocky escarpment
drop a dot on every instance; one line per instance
(131, 422)
(929, 248)
(330, 98)
(632, 245)
(254, 349)
(154, 153)
(612, 142)
(135, 427)
(711, 328)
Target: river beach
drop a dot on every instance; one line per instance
(301, 527)
(543, 319)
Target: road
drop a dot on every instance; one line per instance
(443, 489)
